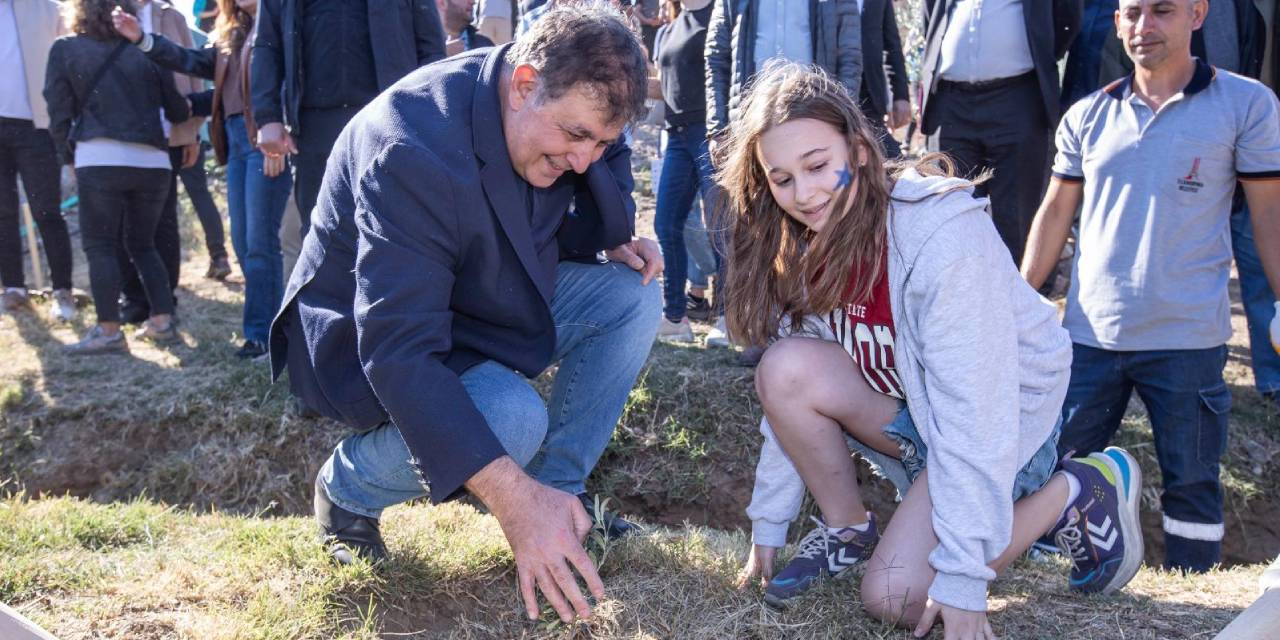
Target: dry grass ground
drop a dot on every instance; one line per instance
(191, 483)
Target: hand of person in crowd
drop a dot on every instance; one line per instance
(1275, 329)
(957, 624)
(900, 115)
(126, 25)
(272, 166)
(545, 528)
(759, 563)
(641, 254)
(274, 140)
(190, 153)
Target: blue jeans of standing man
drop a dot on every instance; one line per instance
(1188, 403)
(605, 324)
(255, 205)
(686, 172)
(1259, 302)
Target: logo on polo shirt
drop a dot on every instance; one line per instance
(1191, 182)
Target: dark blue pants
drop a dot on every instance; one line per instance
(28, 152)
(686, 173)
(1188, 402)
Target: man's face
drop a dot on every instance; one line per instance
(455, 14)
(1154, 31)
(546, 138)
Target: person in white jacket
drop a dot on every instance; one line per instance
(898, 325)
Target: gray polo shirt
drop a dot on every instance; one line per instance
(1154, 251)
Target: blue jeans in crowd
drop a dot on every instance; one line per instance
(686, 173)
(605, 323)
(702, 259)
(255, 205)
(1259, 302)
(1188, 403)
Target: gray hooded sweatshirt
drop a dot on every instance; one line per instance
(984, 364)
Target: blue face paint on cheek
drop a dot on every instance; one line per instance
(844, 177)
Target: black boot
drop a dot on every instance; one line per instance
(347, 535)
(615, 527)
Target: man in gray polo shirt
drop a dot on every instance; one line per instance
(1155, 158)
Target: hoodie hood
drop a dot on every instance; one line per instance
(921, 205)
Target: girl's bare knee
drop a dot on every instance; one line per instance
(781, 369)
(890, 599)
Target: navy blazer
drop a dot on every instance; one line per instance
(420, 263)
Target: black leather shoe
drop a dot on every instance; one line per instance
(132, 312)
(615, 527)
(347, 535)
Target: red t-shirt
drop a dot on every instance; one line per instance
(866, 332)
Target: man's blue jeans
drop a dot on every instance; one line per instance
(686, 172)
(255, 205)
(605, 324)
(1259, 302)
(1188, 403)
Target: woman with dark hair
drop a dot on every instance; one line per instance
(257, 184)
(105, 99)
(896, 325)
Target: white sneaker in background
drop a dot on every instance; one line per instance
(670, 331)
(719, 335)
(62, 305)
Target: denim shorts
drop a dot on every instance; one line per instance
(902, 471)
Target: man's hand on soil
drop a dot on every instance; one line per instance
(545, 528)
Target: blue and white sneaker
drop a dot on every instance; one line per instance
(821, 553)
(1100, 530)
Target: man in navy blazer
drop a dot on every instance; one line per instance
(444, 268)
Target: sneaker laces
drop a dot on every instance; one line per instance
(816, 543)
(1071, 539)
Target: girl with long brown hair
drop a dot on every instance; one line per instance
(258, 184)
(897, 325)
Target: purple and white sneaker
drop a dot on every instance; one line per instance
(1100, 530)
(821, 553)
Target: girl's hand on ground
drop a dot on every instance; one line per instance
(759, 563)
(957, 624)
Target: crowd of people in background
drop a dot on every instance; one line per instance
(1158, 151)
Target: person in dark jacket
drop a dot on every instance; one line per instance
(112, 133)
(315, 65)
(257, 186)
(990, 97)
(443, 270)
(738, 28)
(885, 95)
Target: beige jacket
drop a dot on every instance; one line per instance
(170, 23)
(39, 24)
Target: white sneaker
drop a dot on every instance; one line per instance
(719, 335)
(63, 305)
(670, 331)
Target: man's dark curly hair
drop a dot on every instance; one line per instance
(587, 42)
(92, 18)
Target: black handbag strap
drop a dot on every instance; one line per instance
(97, 75)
